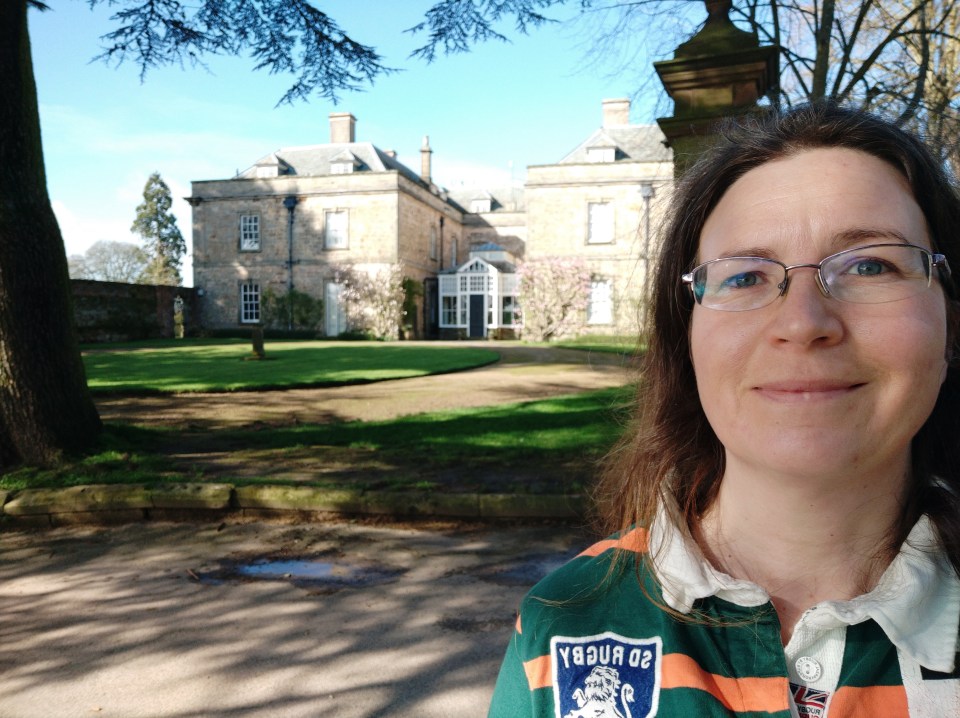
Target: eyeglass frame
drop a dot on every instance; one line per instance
(935, 260)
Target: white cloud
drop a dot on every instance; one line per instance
(81, 229)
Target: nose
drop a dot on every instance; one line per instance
(805, 314)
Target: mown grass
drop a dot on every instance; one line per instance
(224, 365)
(603, 343)
(548, 436)
(578, 425)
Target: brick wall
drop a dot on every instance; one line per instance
(113, 311)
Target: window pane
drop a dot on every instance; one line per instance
(449, 315)
(249, 232)
(250, 303)
(600, 223)
(335, 230)
(600, 308)
(509, 305)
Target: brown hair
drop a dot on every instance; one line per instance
(670, 447)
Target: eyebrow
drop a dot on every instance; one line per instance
(841, 240)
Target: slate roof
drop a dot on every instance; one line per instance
(643, 143)
(315, 160)
(488, 247)
(503, 199)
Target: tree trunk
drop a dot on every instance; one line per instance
(45, 407)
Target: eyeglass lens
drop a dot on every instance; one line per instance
(867, 275)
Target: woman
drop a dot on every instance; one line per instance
(788, 500)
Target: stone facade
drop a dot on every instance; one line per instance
(604, 202)
(294, 217)
(297, 214)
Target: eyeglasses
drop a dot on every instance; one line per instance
(873, 274)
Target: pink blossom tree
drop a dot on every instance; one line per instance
(373, 299)
(553, 296)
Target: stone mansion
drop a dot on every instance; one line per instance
(298, 213)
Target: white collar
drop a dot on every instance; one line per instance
(916, 602)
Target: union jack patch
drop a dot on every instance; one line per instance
(606, 676)
(810, 703)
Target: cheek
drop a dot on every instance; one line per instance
(720, 346)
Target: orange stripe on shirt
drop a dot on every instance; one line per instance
(539, 672)
(736, 694)
(634, 540)
(869, 702)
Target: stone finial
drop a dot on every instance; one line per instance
(718, 34)
(720, 71)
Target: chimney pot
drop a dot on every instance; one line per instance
(342, 127)
(616, 113)
(425, 153)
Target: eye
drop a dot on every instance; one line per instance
(868, 267)
(742, 280)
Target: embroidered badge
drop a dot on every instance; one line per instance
(810, 703)
(606, 676)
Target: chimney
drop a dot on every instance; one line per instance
(616, 113)
(342, 127)
(425, 153)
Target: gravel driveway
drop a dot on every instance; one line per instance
(524, 373)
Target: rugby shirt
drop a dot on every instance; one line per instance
(589, 642)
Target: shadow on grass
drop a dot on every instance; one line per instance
(547, 446)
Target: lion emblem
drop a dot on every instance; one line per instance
(598, 697)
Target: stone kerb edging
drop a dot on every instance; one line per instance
(98, 503)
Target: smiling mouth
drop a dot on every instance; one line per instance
(807, 391)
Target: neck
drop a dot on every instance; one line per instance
(804, 540)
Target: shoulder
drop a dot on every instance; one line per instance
(590, 590)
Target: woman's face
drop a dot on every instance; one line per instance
(810, 385)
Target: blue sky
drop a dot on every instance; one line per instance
(489, 113)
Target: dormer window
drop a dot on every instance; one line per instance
(601, 154)
(271, 166)
(344, 163)
(480, 205)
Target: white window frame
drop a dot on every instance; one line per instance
(249, 232)
(600, 304)
(601, 154)
(250, 302)
(449, 304)
(332, 240)
(600, 227)
(433, 243)
(508, 308)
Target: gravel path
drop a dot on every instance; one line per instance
(524, 373)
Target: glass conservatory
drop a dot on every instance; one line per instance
(480, 296)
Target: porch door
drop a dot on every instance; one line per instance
(431, 308)
(335, 321)
(478, 316)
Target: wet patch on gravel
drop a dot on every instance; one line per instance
(323, 573)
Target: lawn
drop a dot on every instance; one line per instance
(225, 365)
(602, 343)
(546, 446)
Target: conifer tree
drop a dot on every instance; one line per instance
(157, 227)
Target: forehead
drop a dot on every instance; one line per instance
(811, 204)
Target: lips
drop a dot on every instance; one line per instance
(808, 390)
